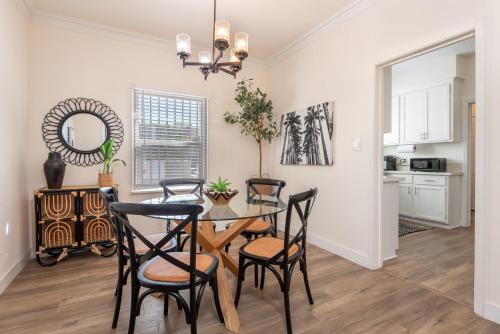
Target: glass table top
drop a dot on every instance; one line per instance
(238, 208)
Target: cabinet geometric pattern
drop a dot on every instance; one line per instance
(71, 219)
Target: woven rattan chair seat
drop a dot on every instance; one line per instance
(160, 270)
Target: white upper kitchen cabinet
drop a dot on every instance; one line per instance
(438, 114)
(392, 138)
(427, 115)
(413, 117)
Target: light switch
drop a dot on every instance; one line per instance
(356, 144)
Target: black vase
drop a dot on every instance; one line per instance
(54, 168)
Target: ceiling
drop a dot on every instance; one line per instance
(272, 24)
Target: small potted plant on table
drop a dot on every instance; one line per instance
(106, 177)
(219, 192)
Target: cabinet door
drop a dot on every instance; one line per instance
(429, 202)
(405, 199)
(438, 113)
(413, 117)
(392, 138)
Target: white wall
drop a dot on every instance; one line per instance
(14, 222)
(67, 61)
(339, 62)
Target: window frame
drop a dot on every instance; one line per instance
(158, 189)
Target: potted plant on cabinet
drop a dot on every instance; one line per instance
(256, 117)
(219, 192)
(106, 177)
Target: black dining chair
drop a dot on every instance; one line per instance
(284, 253)
(261, 227)
(167, 273)
(170, 188)
(110, 195)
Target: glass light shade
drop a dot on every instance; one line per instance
(232, 57)
(222, 30)
(183, 44)
(205, 57)
(241, 42)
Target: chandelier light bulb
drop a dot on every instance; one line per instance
(241, 45)
(232, 57)
(222, 28)
(183, 44)
(205, 57)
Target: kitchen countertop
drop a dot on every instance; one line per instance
(395, 172)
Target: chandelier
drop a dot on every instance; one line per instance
(208, 62)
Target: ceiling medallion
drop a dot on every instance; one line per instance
(208, 62)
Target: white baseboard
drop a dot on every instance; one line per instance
(492, 312)
(6, 279)
(342, 251)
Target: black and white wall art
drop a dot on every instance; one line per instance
(306, 136)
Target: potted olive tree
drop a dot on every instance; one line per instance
(256, 117)
(106, 177)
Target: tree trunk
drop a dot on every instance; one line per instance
(325, 153)
(284, 146)
(260, 159)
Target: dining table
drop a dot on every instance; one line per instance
(243, 211)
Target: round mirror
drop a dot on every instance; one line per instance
(84, 132)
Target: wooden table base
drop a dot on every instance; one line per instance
(214, 244)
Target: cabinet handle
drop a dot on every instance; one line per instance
(409, 190)
(429, 180)
(415, 190)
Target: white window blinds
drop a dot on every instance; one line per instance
(170, 137)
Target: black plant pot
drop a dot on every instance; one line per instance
(54, 168)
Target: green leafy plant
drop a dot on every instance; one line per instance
(107, 155)
(220, 185)
(256, 115)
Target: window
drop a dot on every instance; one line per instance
(170, 137)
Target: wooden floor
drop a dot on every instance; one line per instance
(440, 260)
(76, 296)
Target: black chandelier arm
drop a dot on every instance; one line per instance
(225, 70)
(236, 63)
(191, 63)
(219, 56)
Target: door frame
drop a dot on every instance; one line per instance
(466, 102)
(478, 32)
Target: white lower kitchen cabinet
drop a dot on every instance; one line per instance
(431, 197)
(429, 202)
(405, 199)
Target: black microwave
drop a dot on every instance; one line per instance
(428, 164)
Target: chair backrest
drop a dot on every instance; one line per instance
(110, 195)
(195, 185)
(302, 204)
(270, 187)
(123, 210)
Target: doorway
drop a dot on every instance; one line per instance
(438, 253)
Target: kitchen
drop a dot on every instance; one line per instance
(429, 169)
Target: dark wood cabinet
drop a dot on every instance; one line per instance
(69, 220)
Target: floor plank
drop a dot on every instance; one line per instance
(76, 296)
(440, 260)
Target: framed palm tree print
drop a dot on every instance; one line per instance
(307, 136)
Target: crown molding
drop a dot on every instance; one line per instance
(347, 12)
(83, 26)
(24, 8)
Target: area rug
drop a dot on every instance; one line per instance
(408, 227)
